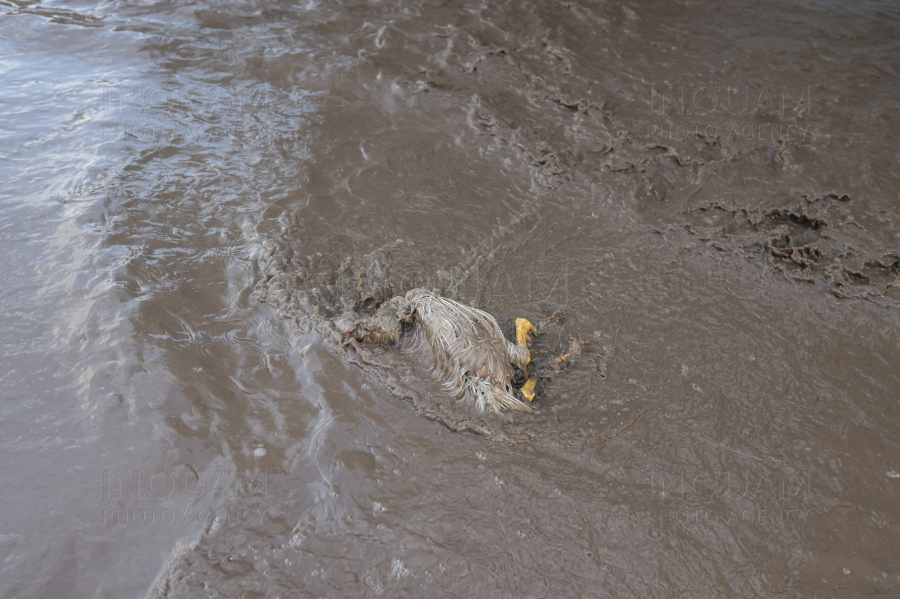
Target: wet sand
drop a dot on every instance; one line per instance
(703, 197)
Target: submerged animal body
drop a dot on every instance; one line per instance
(464, 346)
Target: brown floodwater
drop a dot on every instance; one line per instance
(700, 199)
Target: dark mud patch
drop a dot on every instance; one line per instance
(810, 239)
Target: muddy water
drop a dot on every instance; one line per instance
(705, 197)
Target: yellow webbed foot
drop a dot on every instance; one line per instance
(528, 389)
(524, 330)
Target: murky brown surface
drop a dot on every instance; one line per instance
(708, 193)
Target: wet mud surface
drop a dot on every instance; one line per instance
(696, 204)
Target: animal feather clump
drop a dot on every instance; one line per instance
(463, 346)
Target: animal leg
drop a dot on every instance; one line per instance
(524, 330)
